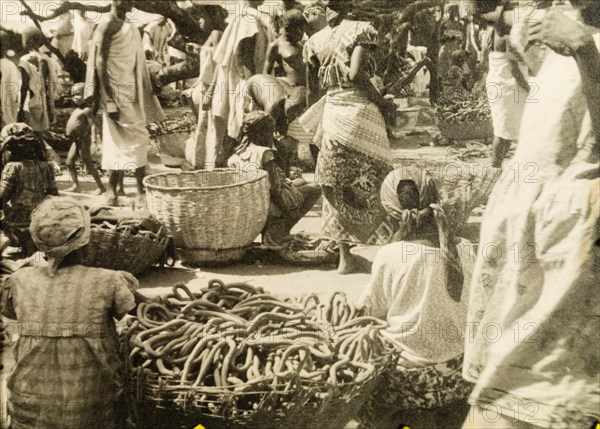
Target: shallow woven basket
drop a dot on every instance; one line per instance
(204, 257)
(467, 130)
(462, 186)
(161, 402)
(121, 249)
(223, 209)
(171, 144)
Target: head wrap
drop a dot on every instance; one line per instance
(256, 123)
(408, 218)
(411, 223)
(293, 18)
(23, 144)
(316, 8)
(336, 8)
(59, 226)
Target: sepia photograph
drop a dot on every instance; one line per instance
(300, 214)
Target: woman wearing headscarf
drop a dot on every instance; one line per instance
(289, 200)
(419, 284)
(27, 178)
(355, 153)
(67, 371)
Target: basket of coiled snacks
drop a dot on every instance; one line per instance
(131, 245)
(233, 356)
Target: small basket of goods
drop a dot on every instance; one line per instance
(131, 244)
(465, 116)
(168, 138)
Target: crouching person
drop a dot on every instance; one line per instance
(290, 200)
(67, 371)
(419, 284)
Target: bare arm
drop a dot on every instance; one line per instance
(588, 60)
(245, 54)
(24, 92)
(569, 37)
(214, 38)
(359, 78)
(271, 58)
(312, 84)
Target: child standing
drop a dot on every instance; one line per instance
(80, 129)
(27, 178)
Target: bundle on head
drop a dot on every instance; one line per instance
(19, 143)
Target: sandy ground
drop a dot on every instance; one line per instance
(281, 280)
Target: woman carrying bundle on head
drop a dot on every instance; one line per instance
(27, 178)
(419, 284)
(289, 200)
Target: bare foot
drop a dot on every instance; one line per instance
(140, 202)
(346, 267)
(112, 200)
(99, 191)
(73, 188)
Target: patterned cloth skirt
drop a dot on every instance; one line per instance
(355, 159)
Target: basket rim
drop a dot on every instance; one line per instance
(261, 175)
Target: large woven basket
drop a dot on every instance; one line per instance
(123, 249)
(161, 402)
(223, 209)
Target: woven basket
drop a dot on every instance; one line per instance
(467, 130)
(120, 249)
(462, 186)
(161, 402)
(171, 144)
(203, 257)
(223, 209)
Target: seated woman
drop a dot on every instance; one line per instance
(290, 200)
(27, 178)
(419, 284)
(67, 371)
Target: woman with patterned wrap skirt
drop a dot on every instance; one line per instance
(355, 153)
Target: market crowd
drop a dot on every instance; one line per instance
(306, 74)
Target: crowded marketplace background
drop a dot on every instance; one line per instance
(338, 214)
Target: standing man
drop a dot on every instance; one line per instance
(40, 82)
(120, 78)
(156, 37)
(10, 83)
(534, 311)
